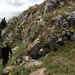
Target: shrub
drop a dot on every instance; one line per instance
(48, 16)
(32, 37)
(44, 44)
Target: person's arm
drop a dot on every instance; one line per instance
(10, 51)
(2, 51)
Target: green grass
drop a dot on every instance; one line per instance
(60, 62)
(48, 16)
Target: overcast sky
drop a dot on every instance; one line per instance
(10, 8)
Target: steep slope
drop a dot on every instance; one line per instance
(40, 30)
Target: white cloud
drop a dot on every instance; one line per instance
(17, 2)
(10, 8)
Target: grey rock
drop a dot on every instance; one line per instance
(15, 49)
(41, 71)
(62, 4)
(26, 58)
(38, 17)
(73, 37)
(41, 22)
(10, 36)
(33, 48)
(3, 32)
(19, 60)
(32, 63)
(55, 1)
(58, 19)
(30, 16)
(71, 19)
(65, 23)
(70, 7)
(43, 52)
(22, 23)
(51, 5)
(25, 17)
(7, 70)
(73, 12)
(66, 13)
(48, 7)
(37, 12)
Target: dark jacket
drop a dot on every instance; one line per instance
(5, 52)
(3, 24)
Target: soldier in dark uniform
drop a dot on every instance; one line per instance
(5, 54)
(3, 23)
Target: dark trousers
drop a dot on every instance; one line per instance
(4, 61)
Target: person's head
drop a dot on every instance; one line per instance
(6, 44)
(4, 18)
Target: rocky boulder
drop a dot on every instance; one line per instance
(9, 36)
(48, 7)
(22, 60)
(32, 63)
(65, 23)
(3, 32)
(41, 71)
(33, 48)
(71, 18)
(43, 52)
(15, 49)
(41, 22)
(7, 70)
(58, 20)
(19, 60)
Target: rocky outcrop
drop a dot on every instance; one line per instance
(63, 22)
(27, 61)
(52, 4)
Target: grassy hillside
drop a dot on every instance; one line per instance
(61, 62)
(31, 24)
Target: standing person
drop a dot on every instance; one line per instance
(5, 54)
(3, 23)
